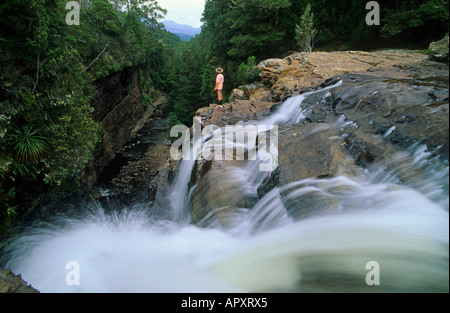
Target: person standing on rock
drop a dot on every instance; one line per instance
(219, 86)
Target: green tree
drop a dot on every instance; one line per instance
(248, 72)
(305, 31)
(185, 97)
(419, 20)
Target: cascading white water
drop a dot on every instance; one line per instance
(290, 112)
(405, 229)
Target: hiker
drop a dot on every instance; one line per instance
(219, 86)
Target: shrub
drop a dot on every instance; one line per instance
(248, 73)
(28, 144)
(305, 33)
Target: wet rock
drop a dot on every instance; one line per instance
(295, 80)
(263, 94)
(305, 201)
(257, 91)
(203, 112)
(226, 189)
(234, 112)
(271, 69)
(270, 182)
(160, 186)
(242, 106)
(221, 192)
(248, 106)
(401, 112)
(11, 283)
(367, 148)
(127, 178)
(302, 71)
(439, 50)
(313, 150)
(135, 176)
(237, 93)
(250, 89)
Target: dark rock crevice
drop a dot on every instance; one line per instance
(119, 110)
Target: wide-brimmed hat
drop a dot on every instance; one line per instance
(219, 70)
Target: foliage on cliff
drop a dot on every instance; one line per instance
(47, 132)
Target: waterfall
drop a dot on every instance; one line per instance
(290, 112)
(373, 217)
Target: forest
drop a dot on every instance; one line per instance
(47, 130)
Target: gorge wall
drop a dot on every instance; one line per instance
(119, 110)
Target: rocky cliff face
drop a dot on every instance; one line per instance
(119, 110)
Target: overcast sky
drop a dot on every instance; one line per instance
(187, 12)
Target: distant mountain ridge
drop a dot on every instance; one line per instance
(185, 32)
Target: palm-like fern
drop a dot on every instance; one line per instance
(28, 144)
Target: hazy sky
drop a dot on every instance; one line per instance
(183, 11)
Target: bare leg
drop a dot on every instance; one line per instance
(220, 98)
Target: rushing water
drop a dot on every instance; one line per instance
(371, 217)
